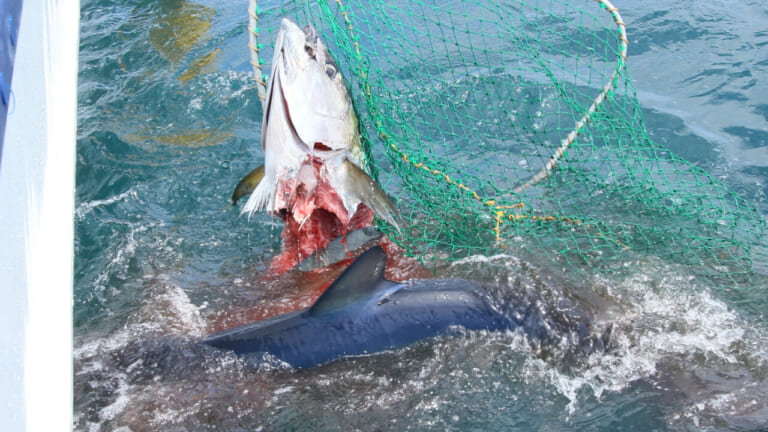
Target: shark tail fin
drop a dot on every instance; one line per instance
(360, 279)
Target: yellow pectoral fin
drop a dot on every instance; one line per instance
(369, 192)
(248, 184)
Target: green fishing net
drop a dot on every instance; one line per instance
(511, 125)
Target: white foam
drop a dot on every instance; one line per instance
(168, 310)
(507, 260)
(119, 262)
(110, 411)
(666, 318)
(176, 312)
(86, 207)
(282, 390)
(213, 83)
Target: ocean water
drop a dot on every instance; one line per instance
(169, 121)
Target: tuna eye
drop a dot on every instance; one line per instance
(310, 51)
(330, 70)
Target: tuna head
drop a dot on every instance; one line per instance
(308, 95)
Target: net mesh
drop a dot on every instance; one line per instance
(464, 105)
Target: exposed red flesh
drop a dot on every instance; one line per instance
(322, 226)
(313, 213)
(296, 290)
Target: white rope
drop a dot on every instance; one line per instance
(568, 140)
(253, 35)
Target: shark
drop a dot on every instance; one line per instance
(362, 313)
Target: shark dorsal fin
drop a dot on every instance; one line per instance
(360, 279)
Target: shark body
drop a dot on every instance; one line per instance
(363, 313)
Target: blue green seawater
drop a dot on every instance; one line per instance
(168, 122)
